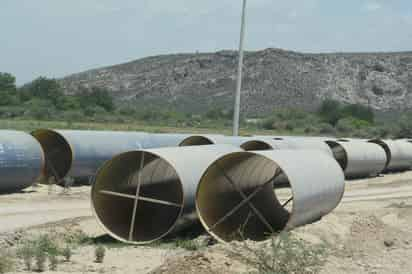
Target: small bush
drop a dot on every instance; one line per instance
(38, 249)
(53, 262)
(67, 253)
(327, 129)
(78, 238)
(40, 261)
(47, 246)
(6, 262)
(27, 252)
(268, 123)
(284, 254)
(100, 253)
(404, 128)
(188, 244)
(310, 130)
(330, 111)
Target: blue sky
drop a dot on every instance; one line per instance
(59, 37)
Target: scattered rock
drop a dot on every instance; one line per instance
(389, 242)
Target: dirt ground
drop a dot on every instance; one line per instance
(369, 232)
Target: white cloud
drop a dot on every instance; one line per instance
(372, 6)
(407, 19)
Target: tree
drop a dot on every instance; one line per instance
(7, 82)
(96, 97)
(46, 89)
(102, 98)
(360, 112)
(330, 111)
(405, 127)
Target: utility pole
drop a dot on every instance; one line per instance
(236, 113)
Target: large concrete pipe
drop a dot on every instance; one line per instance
(21, 160)
(359, 159)
(141, 196)
(198, 140)
(79, 153)
(255, 144)
(309, 143)
(164, 140)
(399, 154)
(289, 137)
(235, 197)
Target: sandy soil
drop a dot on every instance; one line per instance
(370, 232)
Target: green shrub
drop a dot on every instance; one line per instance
(404, 127)
(6, 262)
(100, 253)
(67, 253)
(11, 111)
(72, 116)
(40, 261)
(359, 112)
(92, 111)
(53, 262)
(327, 129)
(310, 130)
(330, 111)
(27, 252)
(45, 89)
(7, 82)
(285, 254)
(188, 244)
(9, 98)
(45, 244)
(39, 109)
(268, 123)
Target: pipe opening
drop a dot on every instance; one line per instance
(235, 198)
(339, 154)
(196, 141)
(57, 151)
(386, 148)
(137, 197)
(256, 145)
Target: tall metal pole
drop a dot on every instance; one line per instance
(236, 113)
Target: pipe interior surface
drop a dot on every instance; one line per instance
(196, 141)
(256, 145)
(58, 153)
(216, 198)
(158, 200)
(339, 154)
(387, 150)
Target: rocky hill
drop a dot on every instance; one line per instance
(272, 78)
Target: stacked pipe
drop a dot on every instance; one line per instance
(78, 154)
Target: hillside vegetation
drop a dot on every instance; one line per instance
(94, 108)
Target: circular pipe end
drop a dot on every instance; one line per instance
(57, 151)
(137, 197)
(386, 148)
(235, 198)
(256, 145)
(339, 153)
(196, 141)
